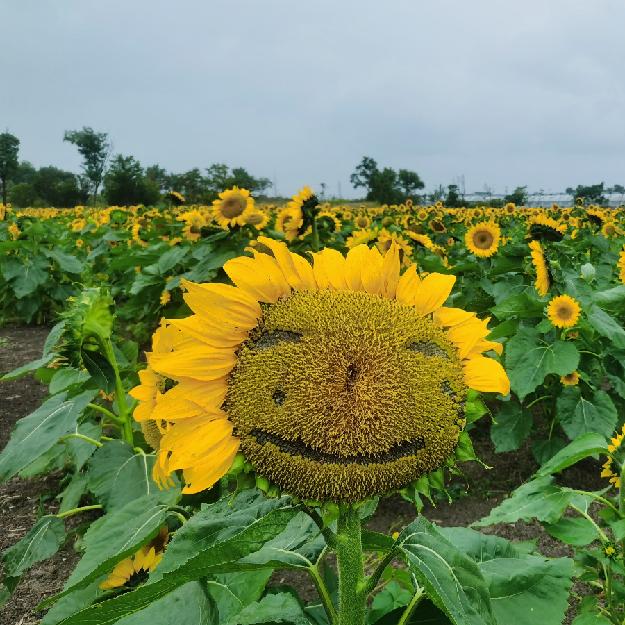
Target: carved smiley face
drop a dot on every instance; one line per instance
(343, 395)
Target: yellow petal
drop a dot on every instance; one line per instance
(486, 375)
(198, 362)
(448, 317)
(390, 271)
(297, 271)
(354, 262)
(465, 335)
(371, 273)
(259, 277)
(218, 335)
(329, 269)
(408, 286)
(433, 291)
(202, 476)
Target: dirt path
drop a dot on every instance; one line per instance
(21, 499)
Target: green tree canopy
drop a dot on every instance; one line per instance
(95, 149)
(385, 186)
(9, 150)
(125, 183)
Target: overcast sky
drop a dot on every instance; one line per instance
(504, 93)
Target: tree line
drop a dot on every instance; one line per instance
(114, 179)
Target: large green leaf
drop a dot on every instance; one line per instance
(586, 445)
(113, 537)
(520, 305)
(272, 609)
(607, 326)
(187, 605)
(66, 262)
(530, 358)
(29, 367)
(579, 416)
(577, 531)
(524, 589)
(452, 580)
(539, 499)
(210, 542)
(232, 592)
(118, 475)
(42, 541)
(511, 427)
(39, 431)
(25, 275)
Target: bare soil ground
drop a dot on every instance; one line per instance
(21, 500)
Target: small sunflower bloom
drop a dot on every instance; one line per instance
(570, 379)
(483, 239)
(563, 311)
(232, 207)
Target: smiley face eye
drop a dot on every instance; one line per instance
(268, 340)
(428, 348)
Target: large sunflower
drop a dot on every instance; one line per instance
(232, 207)
(483, 239)
(543, 279)
(337, 380)
(620, 265)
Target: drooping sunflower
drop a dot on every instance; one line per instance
(386, 239)
(423, 240)
(570, 379)
(337, 380)
(483, 239)
(539, 260)
(232, 206)
(563, 311)
(608, 468)
(135, 569)
(360, 237)
(542, 227)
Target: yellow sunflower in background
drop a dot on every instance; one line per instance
(338, 380)
(608, 470)
(570, 379)
(360, 237)
(14, 231)
(610, 230)
(563, 311)
(135, 569)
(256, 218)
(483, 239)
(543, 281)
(386, 239)
(362, 222)
(424, 240)
(232, 206)
(620, 265)
(194, 221)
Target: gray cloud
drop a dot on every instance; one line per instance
(506, 94)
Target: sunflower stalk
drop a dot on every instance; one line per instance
(120, 392)
(352, 585)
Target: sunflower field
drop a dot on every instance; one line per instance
(233, 389)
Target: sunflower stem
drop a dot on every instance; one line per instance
(352, 585)
(315, 235)
(73, 511)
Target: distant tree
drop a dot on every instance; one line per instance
(26, 172)
(9, 150)
(125, 183)
(220, 177)
(453, 199)
(23, 195)
(364, 173)
(618, 188)
(159, 176)
(518, 196)
(191, 184)
(438, 194)
(58, 188)
(410, 182)
(95, 149)
(588, 194)
(385, 186)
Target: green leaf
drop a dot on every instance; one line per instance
(521, 305)
(170, 259)
(209, 544)
(231, 592)
(113, 537)
(614, 295)
(452, 580)
(66, 377)
(39, 431)
(81, 450)
(277, 608)
(606, 326)
(579, 416)
(29, 367)
(511, 427)
(529, 359)
(576, 531)
(73, 492)
(586, 445)
(391, 597)
(538, 499)
(118, 476)
(42, 541)
(187, 605)
(504, 329)
(524, 589)
(66, 262)
(25, 275)
(618, 529)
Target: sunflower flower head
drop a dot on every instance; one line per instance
(135, 569)
(570, 379)
(483, 239)
(337, 380)
(232, 207)
(611, 467)
(563, 311)
(541, 266)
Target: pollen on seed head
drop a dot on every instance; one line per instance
(343, 395)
